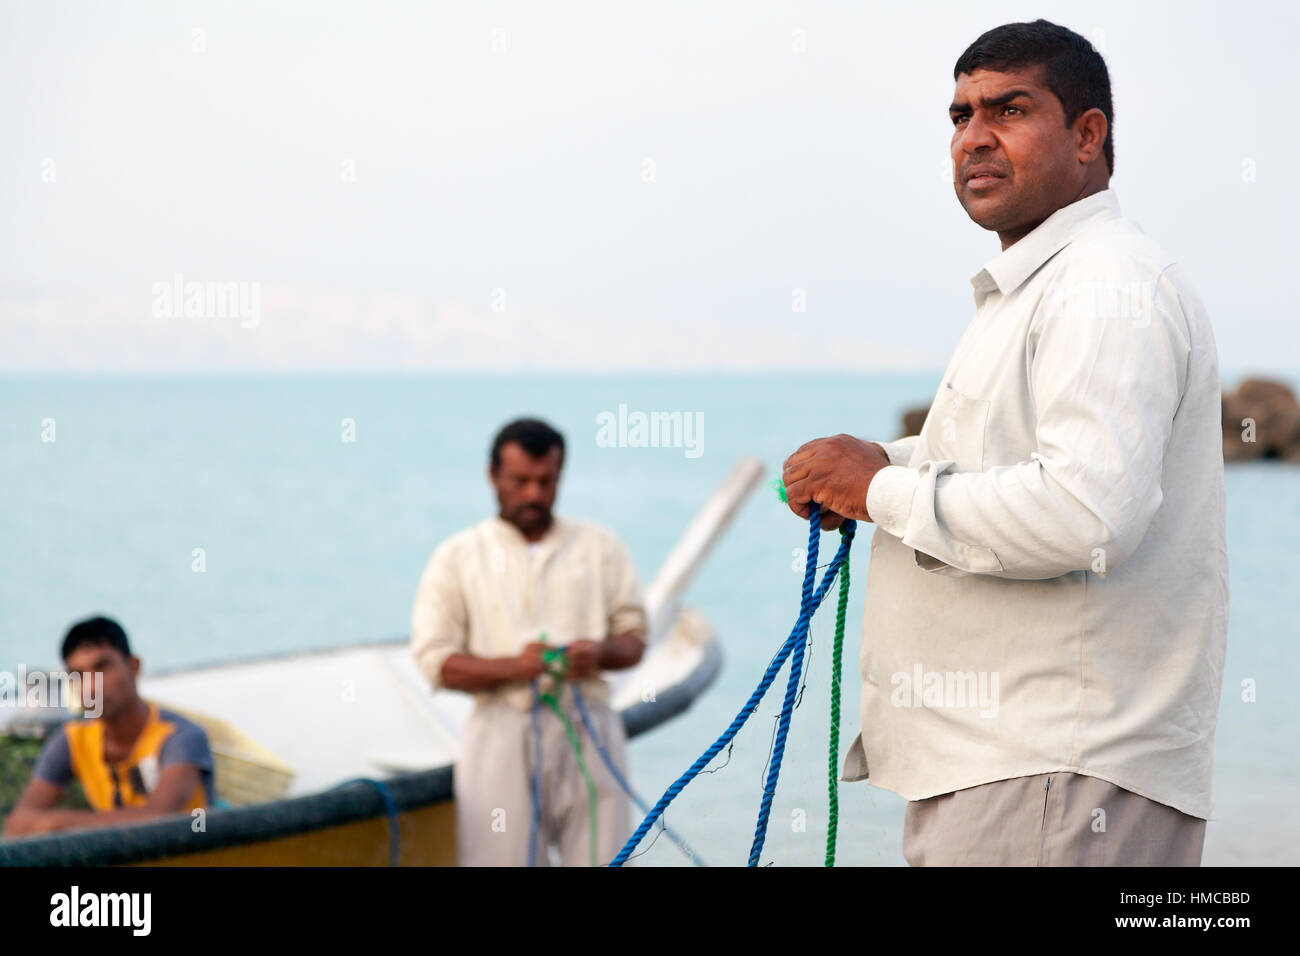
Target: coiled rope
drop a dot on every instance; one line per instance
(795, 645)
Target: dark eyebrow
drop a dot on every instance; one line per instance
(1000, 100)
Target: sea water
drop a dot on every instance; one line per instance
(223, 517)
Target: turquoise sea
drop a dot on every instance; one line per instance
(310, 540)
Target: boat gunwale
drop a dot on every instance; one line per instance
(271, 657)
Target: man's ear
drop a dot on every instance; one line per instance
(1091, 129)
(133, 662)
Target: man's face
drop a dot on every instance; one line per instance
(1014, 160)
(526, 487)
(113, 675)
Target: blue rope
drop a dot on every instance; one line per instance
(390, 807)
(622, 781)
(798, 638)
(536, 781)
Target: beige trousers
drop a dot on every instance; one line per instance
(493, 786)
(1049, 819)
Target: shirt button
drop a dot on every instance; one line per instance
(955, 403)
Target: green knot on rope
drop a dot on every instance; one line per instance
(556, 660)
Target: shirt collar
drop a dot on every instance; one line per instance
(512, 534)
(1008, 271)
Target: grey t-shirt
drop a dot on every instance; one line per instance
(186, 744)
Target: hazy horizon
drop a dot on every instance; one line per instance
(737, 187)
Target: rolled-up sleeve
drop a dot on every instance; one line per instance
(1107, 370)
(439, 621)
(623, 595)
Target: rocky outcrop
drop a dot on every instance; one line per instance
(913, 419)
(1261, 419)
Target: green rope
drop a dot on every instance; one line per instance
(556, 664)
(837, 655)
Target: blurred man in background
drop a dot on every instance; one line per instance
(486, 600)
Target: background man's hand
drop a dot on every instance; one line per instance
(530, 663)
(583, 657)
(835, 473)
(30, 822)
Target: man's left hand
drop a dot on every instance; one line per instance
(583, 658)
(834, 472)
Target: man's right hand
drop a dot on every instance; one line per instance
(530, 663)
(835, 472)
(830, 520)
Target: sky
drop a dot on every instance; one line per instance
(584, 186)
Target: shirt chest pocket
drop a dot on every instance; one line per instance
(955, 429)
(571, 598)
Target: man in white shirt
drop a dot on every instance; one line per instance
(493, 598)
(1046, 609)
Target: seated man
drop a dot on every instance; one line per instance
(134, 762)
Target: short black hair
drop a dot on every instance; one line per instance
(95, 632)
(1072, 68)
(533, 435)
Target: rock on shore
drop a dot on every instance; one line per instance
(1266, 412)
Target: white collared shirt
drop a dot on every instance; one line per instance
(485, 592)
(1048, 584)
